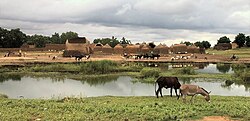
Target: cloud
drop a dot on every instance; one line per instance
(139, 20)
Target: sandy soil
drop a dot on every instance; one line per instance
(215, 118)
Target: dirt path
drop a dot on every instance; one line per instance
(215, 118)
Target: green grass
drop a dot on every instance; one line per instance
(240, 52)
(123, 108)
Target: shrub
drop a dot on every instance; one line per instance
(150, 72)
(98, 67)
(186, 70)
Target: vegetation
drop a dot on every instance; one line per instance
(203, 44)
(150, 72)
(123, 108)
(223, 39)
(112, 41)
(240, 40)
(239, 52)
(186, 70)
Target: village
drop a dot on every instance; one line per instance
(81, 46)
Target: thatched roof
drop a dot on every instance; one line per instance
(119, 49)
(161, 49)
(179, 48)
(193, 49)
(107, 49)
(223, 46)
(132, 48)
(78, 40)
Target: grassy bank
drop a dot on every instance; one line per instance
(240, 52)
(123, 108)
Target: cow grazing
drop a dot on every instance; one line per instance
(167, 82)
(193, 90)
(79, 58)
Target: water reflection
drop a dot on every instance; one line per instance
(118, 86)
(223, 67)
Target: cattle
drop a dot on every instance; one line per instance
(79, 57)
(167, 82)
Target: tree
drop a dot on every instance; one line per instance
(68, 35)
(203, 44)
(38, 40)
(187, 43)
(248, 41)
(151, 44)
(125, 41)
(112, 42)
(11, 39)
(206, 44)
(240, 40)
(56, 39)
(198, 44)
(224, 39)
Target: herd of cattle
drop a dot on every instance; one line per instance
(142, 56)
(185, 89)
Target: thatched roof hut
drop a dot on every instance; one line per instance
(56, 47)
(98, 48)
(80, 44)
(145, 48)
(223, 46)
(193, 49)
(118, 49)
(161, 49)
(132, 49)
(28, 46)
(179, 48)
(107, 49)
(234, 45)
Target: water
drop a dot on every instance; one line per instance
(46, 88)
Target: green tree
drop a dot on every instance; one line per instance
(38, 40)
(56, 39)
(240, 40)
(125, 41)
(11, 39)
(248, 41)
(206, 44)
(112, 42)
(203, 44)
(223, 40)
(68, 35)
(187, 43)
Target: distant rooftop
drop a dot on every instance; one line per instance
(78, 40)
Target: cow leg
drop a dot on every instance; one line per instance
(176, 92)
(192, 98)
(158, 90)
(184, 98)
(161, 91)
(171, 91)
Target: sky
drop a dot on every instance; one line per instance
(159, 21)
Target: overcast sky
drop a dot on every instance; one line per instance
(159, 21)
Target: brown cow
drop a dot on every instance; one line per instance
(167, 82)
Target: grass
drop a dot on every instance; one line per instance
(123, 108)
(240, 52)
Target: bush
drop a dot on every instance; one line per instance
(98, 67)
(150, 72)
(186, 70)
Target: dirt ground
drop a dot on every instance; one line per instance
(47, 57)
(215, 118)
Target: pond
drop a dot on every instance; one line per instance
(46, 88)
(199, 67)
